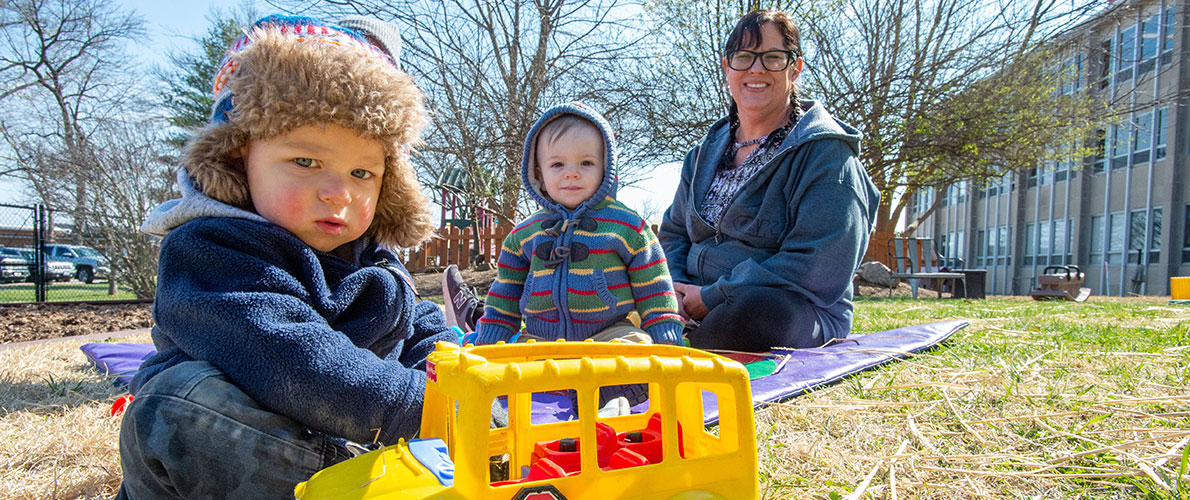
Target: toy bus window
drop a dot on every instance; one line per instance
(624, 399)
(498, 447)
(695, 401)
(537, 441)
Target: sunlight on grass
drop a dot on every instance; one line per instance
(64, 291)
(1033, 400)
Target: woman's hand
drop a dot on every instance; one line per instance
(690, 303)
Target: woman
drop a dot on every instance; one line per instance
(773, 211)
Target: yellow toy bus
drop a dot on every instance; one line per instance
(660, 452)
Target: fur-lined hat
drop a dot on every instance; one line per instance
(290, 72)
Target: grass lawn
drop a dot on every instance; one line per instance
(63, 291)
(1033, 400)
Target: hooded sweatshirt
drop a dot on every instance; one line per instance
(800, 224)
(338, 346)
(571, 273)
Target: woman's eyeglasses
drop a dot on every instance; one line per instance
(772, 60)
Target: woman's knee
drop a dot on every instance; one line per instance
(760, 318)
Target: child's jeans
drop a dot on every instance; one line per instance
(191, 433)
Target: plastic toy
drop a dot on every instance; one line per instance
(660, 451)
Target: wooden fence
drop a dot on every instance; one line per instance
(460, 247)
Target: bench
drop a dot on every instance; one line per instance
(917, 259)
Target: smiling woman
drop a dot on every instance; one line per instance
(773, 210)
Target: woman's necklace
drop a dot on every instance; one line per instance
(758, 140)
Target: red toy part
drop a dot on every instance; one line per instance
(541, 469)
(120, 404)
(624, 458)
(565, 452)
(647, 441)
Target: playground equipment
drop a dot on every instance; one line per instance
(659, 450)
(1061, 282)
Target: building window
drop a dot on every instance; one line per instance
(1072, 71)
(1167, 44)
(1003, 246)
(1148, 44)
(1030, 244)
(1162, 124)
(1125, 54)
(1098, 159)
(1105, 52)
(1136, 236)
(981, 249)
(1044, 243)
(1096, 256)
(1186, 234)
(1060, 252)
(958, 253)
(1142, 137)
(925, 198)
(1115, 247)
(1121, 137)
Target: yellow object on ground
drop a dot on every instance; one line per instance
(1179, 288)
(661, 452)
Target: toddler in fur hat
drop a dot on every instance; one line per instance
(286, 329)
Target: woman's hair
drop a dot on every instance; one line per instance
(747, 30)
(747, 34)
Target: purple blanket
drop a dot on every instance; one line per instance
(804, 370)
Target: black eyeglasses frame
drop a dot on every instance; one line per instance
(791, 56)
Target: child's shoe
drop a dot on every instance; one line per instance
(462, 305)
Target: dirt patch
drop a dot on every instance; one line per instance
(44, 321)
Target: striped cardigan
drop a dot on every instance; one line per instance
(613, 266)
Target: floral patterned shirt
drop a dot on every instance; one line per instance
(729, 179)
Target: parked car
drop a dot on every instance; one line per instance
(53, 269)
(13, 268)
(88, 262)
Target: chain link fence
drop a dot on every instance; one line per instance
(43, 259)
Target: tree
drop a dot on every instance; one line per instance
(187, 93)
(688, 92)
(943, 90)
(489, 69)
(946, 90)
(135, 178)
(65, 66)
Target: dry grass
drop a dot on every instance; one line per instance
(56, 437)
(1033, 400)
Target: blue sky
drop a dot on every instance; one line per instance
(170, 24)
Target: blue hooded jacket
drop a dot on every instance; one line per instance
(800, 224)
(338, 346)
(571, 273)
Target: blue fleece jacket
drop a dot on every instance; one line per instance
(338, 346)
(801, 224)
